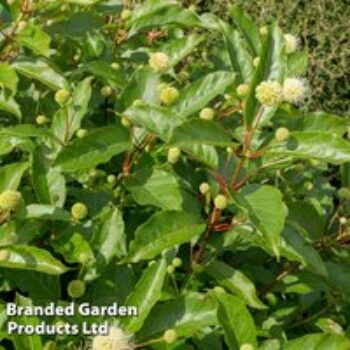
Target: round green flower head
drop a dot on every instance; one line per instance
(204, 188)
(170, 336)
(242, 90)
(111, 179)
(115, 65)
(169, 95)
(79, 211)
(173, 154)
(81, 133)
(41, 120)
(343, 220)
(126, 14)
(344, 193)
(11, 200)
(269, 93)
(220, 202)
(126, 122)
(207, 114)
(282, 134)
(159, 61)
(170, 269)
(246, 346)
(62, 97)
(177, 262)
(4, 254)
(308, 185)
(256, 61)
(76, 288)
(106, 91)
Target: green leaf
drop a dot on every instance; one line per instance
(155, 14)
(10, 106)
(241, 59)
(155, 187)
(271, 67)
(68, 120)
(8, 78)
(45, 212)
(35, 39)
(38, 69)
(145, 294)
(318, 341)
(248, 28)
(32, 258)
(237, 322)
(198, 131)
(105, 72)
(235, 281)
(99, 146)
(203, 153)
(187, 315)
(266, 210)
(28, 342)
(198, 94)
(321, 121)
(313, 144)
(297, 63)
(155, 119)
(163, 231)
(339, 277)
(143, 86)
(25, 130)
(48, 183)
(11, 175)
(303, 251)
(109, 240)
(178, 49)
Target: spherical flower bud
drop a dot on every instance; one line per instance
(282, 134)
(242, 90)
(159, 61)
(79, 211)
(170, 336)
(344, 193)
(207, 114)
(125, 15)
(291, 43)
(81, 133)
(115, 65)
(308, 185)
(204, 188)
(111, 179)
(246, 346)
(219, 290)
(126, 122)
(62, 96)
(138, 102)
(4, 254)
(220, 202)
(84, 257)
(11, 200)
(343, 220)
(269, 93)
(256, 61)
(192, 8)
(183, 76)
(115, 340)
(177, 262)
(106, 91)
(264, 30)
(294, 90)
(76, 289)
(170, 269)
(21, 25)
(169, 95)
(41, 120)
(173, 154)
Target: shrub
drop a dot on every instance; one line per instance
(218, 209)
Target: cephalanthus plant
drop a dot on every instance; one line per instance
(163, 158)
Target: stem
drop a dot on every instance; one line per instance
(67, 130)
(237, 171)
(150, 342)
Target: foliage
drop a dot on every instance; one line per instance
(138, 168)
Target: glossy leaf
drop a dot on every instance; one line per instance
(319, 341)
(11, 175)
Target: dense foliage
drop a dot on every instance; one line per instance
(138, 167)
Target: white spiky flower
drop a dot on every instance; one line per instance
(115, 340)
(159, 61)
(294, 90)
(269, 93)
(291, 42)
